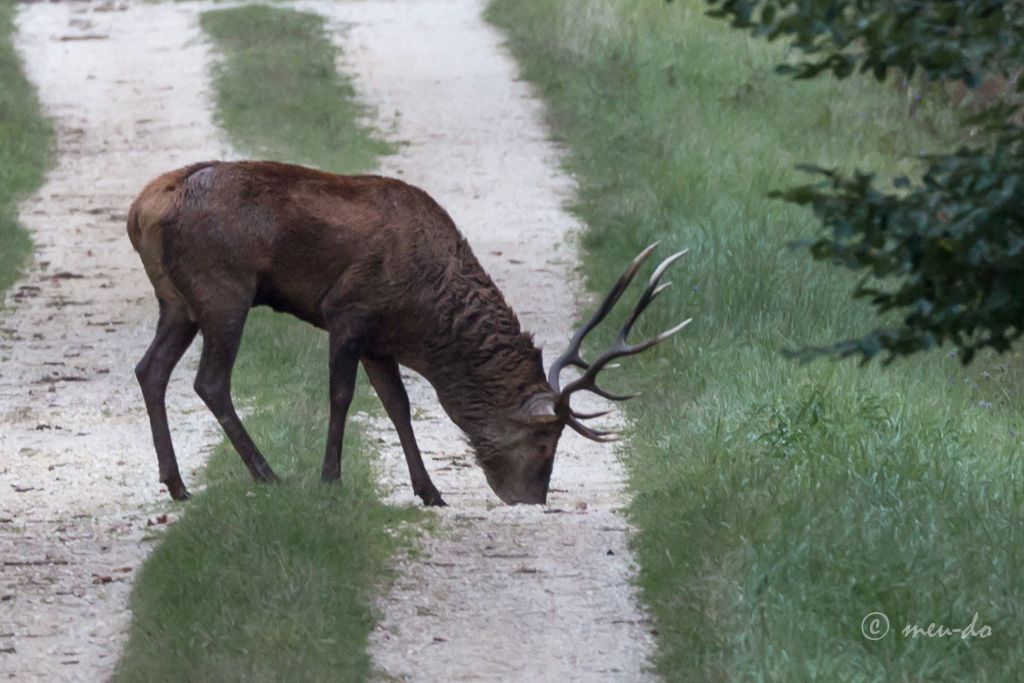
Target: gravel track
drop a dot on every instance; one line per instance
(495, 593)
(498, 593)
(78, 477)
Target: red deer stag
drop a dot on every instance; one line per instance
(382, 268)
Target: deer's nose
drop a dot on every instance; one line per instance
(524, 497)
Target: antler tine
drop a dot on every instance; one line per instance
(588, 379)
(654, 341)
(592, 434)
(571, 356)
(588, 416)
(621, 348)
(651, 292)
(588, 382)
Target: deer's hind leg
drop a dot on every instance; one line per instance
(174, 334)
(222, 335)
(345, 347)
(347, 329)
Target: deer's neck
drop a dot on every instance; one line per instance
(478, 359)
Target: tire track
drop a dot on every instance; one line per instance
(125, 85)
(497, 593)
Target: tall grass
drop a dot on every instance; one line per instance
(777, 503)
(273, 583)
(24, 149)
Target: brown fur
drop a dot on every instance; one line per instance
(372, 260)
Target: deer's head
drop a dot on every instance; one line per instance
(518, 466)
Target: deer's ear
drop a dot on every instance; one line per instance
(537, 409)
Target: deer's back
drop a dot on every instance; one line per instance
(286, 235)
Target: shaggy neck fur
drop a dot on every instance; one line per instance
(479, 360)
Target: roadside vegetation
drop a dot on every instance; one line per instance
(273, 583)
(777, 503)
(942, 252)
(24, 150)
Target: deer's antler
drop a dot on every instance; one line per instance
(619, 349)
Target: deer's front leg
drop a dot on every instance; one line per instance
(343, 364)
(387, 382)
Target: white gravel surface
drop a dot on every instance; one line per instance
(78, 475)
(495, 593)
(498, 593)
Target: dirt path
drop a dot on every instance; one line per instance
(78, 479)
(499, 593)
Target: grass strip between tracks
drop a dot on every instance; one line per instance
(273, 583)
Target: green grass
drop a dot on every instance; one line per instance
(278, 95)
(777, 503)
(24, 150)
(273, 583)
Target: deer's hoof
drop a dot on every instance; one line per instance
(433, 500)
(263, 474)
(177, 490)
